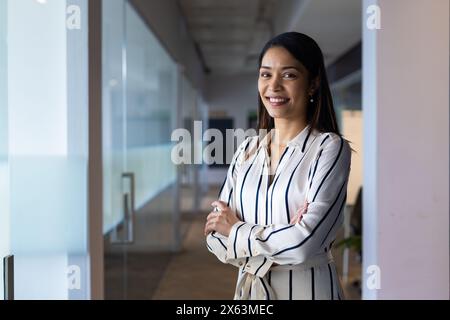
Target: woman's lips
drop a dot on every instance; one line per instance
(277, 101)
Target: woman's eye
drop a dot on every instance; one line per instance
(264, 75)
(289, 75)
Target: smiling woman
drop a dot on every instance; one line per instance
(282, 201)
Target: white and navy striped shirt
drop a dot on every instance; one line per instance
(276, 259)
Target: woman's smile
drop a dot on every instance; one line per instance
(277, 101)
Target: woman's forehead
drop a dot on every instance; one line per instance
(279, 57)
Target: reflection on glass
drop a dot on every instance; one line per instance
(139, 113)
(188, 171)
(151, 107)
(139, 110)
(113, 112)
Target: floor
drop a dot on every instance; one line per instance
(192, 272)
(195, 273)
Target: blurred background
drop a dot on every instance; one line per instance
(91, 205)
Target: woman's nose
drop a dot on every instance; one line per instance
(275, 83)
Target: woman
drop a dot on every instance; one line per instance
(282, 202)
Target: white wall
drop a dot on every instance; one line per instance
(406, 160)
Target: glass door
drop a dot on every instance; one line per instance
(115, 222)
(44, 147)
(140, 180)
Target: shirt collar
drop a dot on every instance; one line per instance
(301, 140)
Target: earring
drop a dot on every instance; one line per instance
(312, 99)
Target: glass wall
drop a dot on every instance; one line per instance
(151, 110)
(188, 173)
(140, 101)
(4, 172)
(139, 109)
(44, 146)
(114, 112)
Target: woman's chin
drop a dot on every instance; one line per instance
(278, 114)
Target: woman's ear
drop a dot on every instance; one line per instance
(314, 85)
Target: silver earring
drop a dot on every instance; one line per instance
(311, 100)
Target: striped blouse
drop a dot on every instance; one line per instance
(276, 259)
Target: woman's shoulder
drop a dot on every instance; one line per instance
(332, 140)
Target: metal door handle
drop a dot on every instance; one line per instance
(128, 209)
(8, 277)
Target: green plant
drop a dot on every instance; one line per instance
(352, 242)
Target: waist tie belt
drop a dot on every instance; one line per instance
(262, 290)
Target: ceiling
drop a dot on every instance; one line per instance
(335, 25)
(229, 34)
(228, 31)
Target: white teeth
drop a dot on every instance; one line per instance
(277, 100)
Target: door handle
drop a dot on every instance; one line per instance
(128, 200)
(8, 277)
(129, 209)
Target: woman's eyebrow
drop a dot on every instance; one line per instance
(283, 68)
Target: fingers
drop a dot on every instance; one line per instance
(210, 226)
(216, 218)
(212, 215)
(211, 220)
(294, 219)
(207, 230)
(299, 215)
(220, 205)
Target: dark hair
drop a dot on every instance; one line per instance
(320, 114)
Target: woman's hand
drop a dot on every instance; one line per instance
(299, 214)
(222, 220)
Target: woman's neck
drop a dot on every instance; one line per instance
(286, 130)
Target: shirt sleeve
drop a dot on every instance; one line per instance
(294, 244)
(215, 242)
